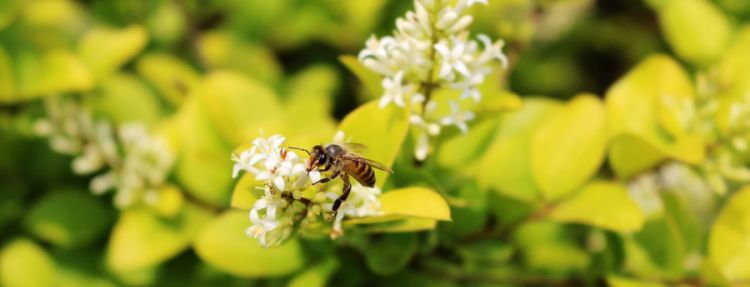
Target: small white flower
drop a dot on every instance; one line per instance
(394, 91)
(458, 118)
(453, 58)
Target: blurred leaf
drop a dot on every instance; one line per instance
(633, 108)
(239, 107)
(734, 73)
(166, 24)
(204, 166)
(696, 29)
(224, 245)
(81, 268)
(545, 247)
(105, 50)
(68, 218)
(124, 90)
(24, 263)
(223, 51)
(54, 71)
(729, 242)
(659, 250)
(569, 146)
(171, 76)
(390, 253)
(7, 79)
(170, 201)
(243, 195)
(141, 238)
(505, 167)
(317, 275)
(308, 105)
(9, 10)
(382, 130)
(619, 281)
(369, 79)
(602, 204)
(463, 149)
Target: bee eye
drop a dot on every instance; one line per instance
(321, 158)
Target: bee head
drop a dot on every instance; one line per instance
(317, 158)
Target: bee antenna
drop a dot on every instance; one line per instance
(298, 148)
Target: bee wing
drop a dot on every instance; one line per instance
(356, 147)
(370, 162)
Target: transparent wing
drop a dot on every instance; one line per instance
(370, 162)
(356, 147)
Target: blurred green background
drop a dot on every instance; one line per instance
(209, 75)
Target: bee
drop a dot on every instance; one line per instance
(342, 162)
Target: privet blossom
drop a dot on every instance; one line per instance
(431, 49)
(127, 159)
(283, 209)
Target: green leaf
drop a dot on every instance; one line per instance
(696, 29)
(390, 253)
(546, 247)
(636, 105)
(619, 281)
(601, 204)
(569, 146)
(463, 149)
(630, 154)
(317, 275)
(54, 71)
(224, 245)
(105, 50)
(125, 90)
(244, 193)
(308, 106)
(221, 50)
(142, 239)
(729, 242)
(369, 79)
(204, 166)
(171, 76)
(81, 268)
(415, 202)
(382, 130)
(7, 79)
(506, 166)
(239, 107)
(390, 225)
(24, 263)
(68, 218)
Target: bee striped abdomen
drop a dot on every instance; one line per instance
(362, 172)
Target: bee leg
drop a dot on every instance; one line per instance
(344, 195)
(327, 179)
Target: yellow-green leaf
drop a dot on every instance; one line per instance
(239, 107)
(635, 106)
(369, 79)
(601, 204)
(224, 245)
(506, 166)
(244, 196)
(221, 50)
(7, 79)
(171, 76)
(105, 50)
(415, 202)
(141, 238)
(24, 263)
(124, 98)
(382, 130)
(619, 281)
(68, 218)
(729, 242)
(317, 275)
(569, 146)
(696, 29)
(204, 166)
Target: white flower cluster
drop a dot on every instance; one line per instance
(429, 50)
(283, 172)
(136, 163)
(674, 177)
